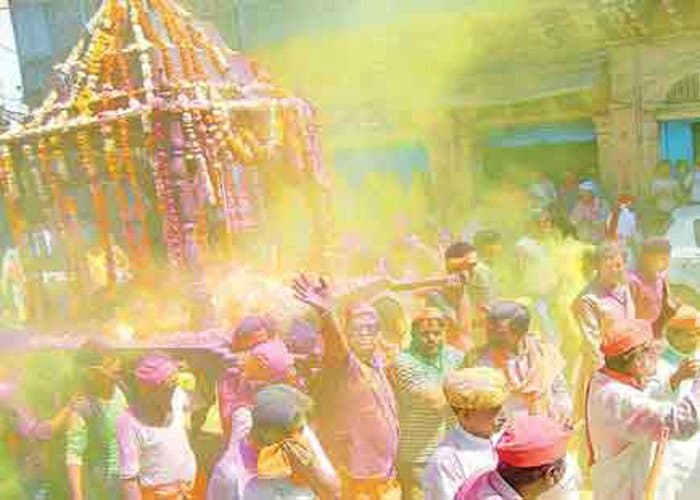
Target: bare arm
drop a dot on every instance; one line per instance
(318, 296)
(75, 482)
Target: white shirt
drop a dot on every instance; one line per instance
(626, 224)
(457, 458)
(156, 456)
(623, 423)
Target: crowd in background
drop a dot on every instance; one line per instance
(536, 365)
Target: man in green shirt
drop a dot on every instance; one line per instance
(91, 437)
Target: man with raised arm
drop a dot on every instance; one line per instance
(358, 424)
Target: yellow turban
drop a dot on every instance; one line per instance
(474, 389)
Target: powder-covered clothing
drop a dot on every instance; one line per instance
(235, 475)
(235, 392)
(622, 423)
(490, 485)
(91, 442)
(652, 299)
(155, 455)
(421, 426)
(597, 305)
(680, 473)
(535, 377)
(360, 424)
(487, 485)
(458, 457)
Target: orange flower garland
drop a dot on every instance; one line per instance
(48, 177)
(7, 173)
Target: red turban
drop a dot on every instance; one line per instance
(624, 335)
(531, 441)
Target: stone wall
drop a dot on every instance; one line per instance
(640, 76)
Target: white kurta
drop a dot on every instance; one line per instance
(680, 475)
(458, 457)
(488, 486)
(623, 422)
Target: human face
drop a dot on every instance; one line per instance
(157, 399)
(545, 224)
(587, 197)
(612, 268)
(363, 335)
(464, 264)
(643, 363)
(431, 335)
(501, 335)
(482, 423)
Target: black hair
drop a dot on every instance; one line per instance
(605, 250)
(516, 314)
(390, 310)
(622, 362)
(92, 353)
(522, 476)
(458, 250)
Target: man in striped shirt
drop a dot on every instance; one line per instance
(424, 414)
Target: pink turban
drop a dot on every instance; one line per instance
(276, 360)
(156, 369)
(531, 441)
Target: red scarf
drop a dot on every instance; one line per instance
(622, 378)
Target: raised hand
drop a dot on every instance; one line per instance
(316, 295)
(687, 370)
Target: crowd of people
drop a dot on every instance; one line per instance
(559, 366)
